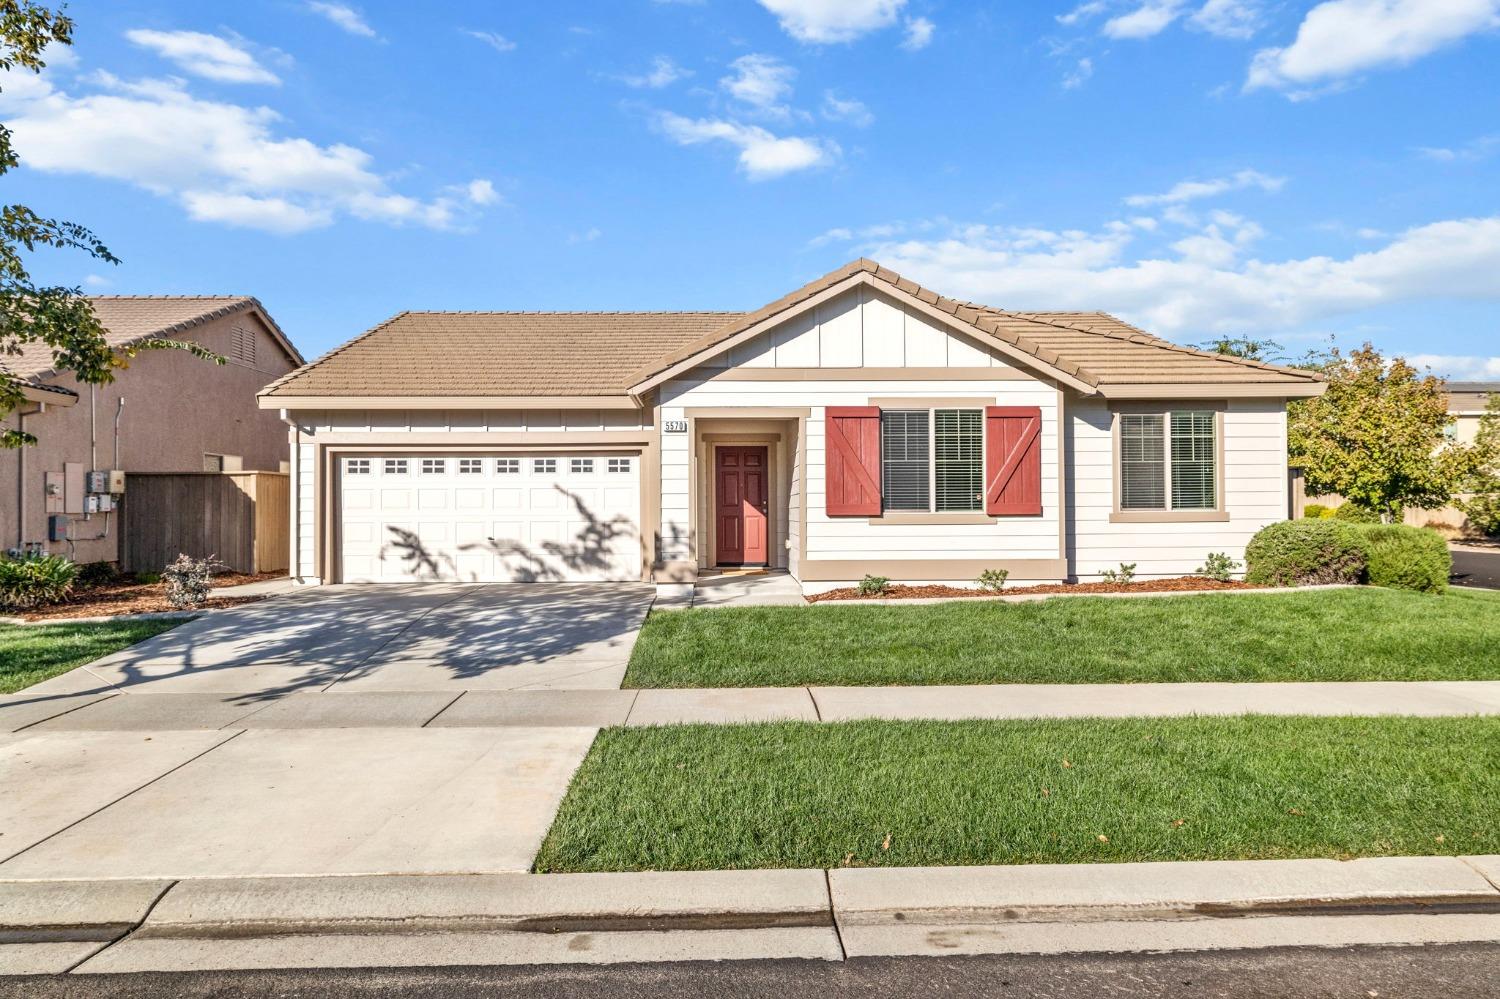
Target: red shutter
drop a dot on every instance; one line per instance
(1012, 460)
(852, 460)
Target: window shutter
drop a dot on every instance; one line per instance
(852, 460)
(1013, 460)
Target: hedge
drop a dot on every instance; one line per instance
(1306, 552)
(1407, 558)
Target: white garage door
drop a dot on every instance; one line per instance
(489, 518)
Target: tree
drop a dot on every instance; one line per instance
(1267, 351)
(1377, 436)
(1483, 506)
(57, 316)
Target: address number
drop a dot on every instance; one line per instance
(674, 426)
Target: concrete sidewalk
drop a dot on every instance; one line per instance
(103, 708)
(158, 925)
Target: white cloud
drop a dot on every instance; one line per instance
(493, 39)
(825, 22)
(1228, 18)
(1149, 19)
(1340, 38)
(1079, 75)
(208, 56)
(836, 108)
(919, 31)
(1459, 367)
(762, 155)
(1082, 12)
(1193, 190)
(481, 192)
(1198, 287)
(587, 236)
(760, 81)
(663, 73)
(1470, 152)
(97, 281)
(342, 15)
(222, 162)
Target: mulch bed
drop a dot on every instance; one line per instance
(1181, 584)
(126, 596)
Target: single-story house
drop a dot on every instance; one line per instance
(168, 411)
(860, 425)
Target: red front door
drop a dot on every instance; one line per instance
(740, 506)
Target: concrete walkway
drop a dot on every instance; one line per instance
(472, 919)
(124, 709)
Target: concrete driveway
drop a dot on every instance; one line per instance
(418, 637)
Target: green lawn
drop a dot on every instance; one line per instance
(803, 794)
(1354, 634)
(32, 654)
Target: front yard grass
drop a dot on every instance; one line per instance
(32, 654)
(804, 794)
(1353, 634)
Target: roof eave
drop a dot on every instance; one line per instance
(273, 400)
(1216, 390)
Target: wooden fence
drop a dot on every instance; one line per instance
(242, 517)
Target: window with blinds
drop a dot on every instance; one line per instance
(958, 459)
(1193, 457)
(905, 457)
(1143, 472)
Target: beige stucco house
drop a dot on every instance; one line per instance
(860, 425)
(1466, 404)
(166, 412)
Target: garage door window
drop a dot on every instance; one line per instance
(434, 466)
(617, 465)
(470, 466)
(582, 466)
(357, 466)
(544, 466)
(507, 466)
(395, 466)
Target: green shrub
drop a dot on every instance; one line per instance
(35, 580)
(993, 580)
(148, 578)
(1306, 552)
(1218, 566)
(1355, 514)
(1316, 511)
(873, 586)
(1125, 575)
(95, 573)
(1407, 558)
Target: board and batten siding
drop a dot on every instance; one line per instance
(1255, 494)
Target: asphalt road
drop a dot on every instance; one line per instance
(1471, 971)
(1477, 568)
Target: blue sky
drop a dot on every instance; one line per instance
(1294, 170)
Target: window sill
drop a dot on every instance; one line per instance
(898, 519)
(1169, 516)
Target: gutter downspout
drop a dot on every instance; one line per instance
(294, 500)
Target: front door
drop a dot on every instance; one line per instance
(740, 492)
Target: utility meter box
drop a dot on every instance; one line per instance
(57, 527)
(111, 480)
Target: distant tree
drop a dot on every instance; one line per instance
(57, 316)
(1483, 506)
(1377, 436)
(1249, 348)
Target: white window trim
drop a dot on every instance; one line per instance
(1168, 515)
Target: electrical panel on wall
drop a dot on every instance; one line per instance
(52, 488)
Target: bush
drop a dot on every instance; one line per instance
(1218, 566)
(1353, 513)
(1483, 511)
(190, 579)
(148, 578)
(1125, 575)
(993, 580)
(1407, 558)
(1306, 552)
(95, 573)
(1316, 511)
(872, 586)
(35, 580)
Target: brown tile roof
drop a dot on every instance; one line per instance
(499, 354)
(128, 319)
(504, 354)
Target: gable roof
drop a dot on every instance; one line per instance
(129, 319)
(479, 354)
(431, 357)
(1091, 351)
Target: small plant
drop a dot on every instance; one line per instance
(34, 580)
(873, 586)
(993, 580)
(1316, 511)
(148, 578)
(190, 579)
(1218, 566)
(95, 573)
(1124, 575)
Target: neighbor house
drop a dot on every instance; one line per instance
(860, 425)
(168, 411)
